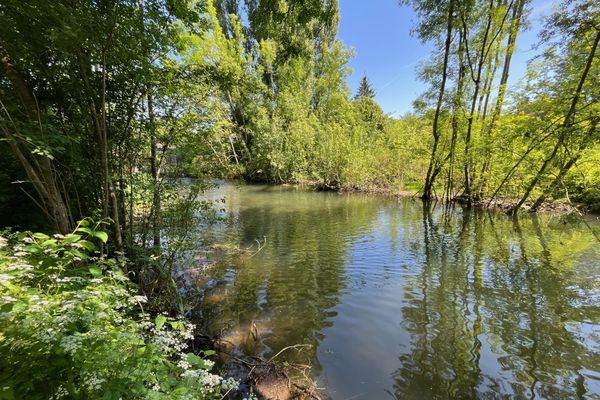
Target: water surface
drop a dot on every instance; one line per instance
(400, 301)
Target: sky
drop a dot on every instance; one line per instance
(379, 33)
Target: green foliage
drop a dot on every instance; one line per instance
(289, 116)
(72, 326)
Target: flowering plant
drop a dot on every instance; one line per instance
(73, 326)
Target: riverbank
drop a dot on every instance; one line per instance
(557, 207)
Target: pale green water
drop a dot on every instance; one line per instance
(402, 302)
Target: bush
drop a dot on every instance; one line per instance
(72, 326)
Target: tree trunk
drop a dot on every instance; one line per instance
(482, 56)
(40, 169)
(455, 109)
(477, 81)
(433, 169)
(515, 26)
(154, 169)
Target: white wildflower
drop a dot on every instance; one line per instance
(167, 342)
(183, 364)
(20, 267)
(94, 383)
(190, 373)
(8, 299)
(60, 393)
(71, 344)
(230, 384)
(47, 335)
(207, 379)
(137, 299)
(5, 278)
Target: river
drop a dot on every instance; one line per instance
(400, 301)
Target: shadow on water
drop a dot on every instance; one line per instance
(409, 302)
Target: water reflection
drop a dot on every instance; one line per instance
(410, 302)
(284, 294)
(495, 300)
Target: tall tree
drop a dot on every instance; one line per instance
(365, 89)
(516, 23)
(478, 50)
(428, 30)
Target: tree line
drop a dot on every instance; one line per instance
(105, 103)
(523, 146)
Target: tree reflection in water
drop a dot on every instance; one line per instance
(414, 302)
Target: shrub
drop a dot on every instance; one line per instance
(72, 326)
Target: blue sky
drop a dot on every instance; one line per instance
(379, 33)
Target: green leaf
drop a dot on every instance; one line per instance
(18, 307)
(195, 360)
(32, 249)
(160, 321)
(87, 245)
(49, 242)
(72, 238)
(95, 271)
(40, 236)
(100, 235)
(209, 353)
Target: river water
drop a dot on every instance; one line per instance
(399, 301)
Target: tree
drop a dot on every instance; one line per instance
(442, 11)
(365, 89)
(574, 80)
(72, 86)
